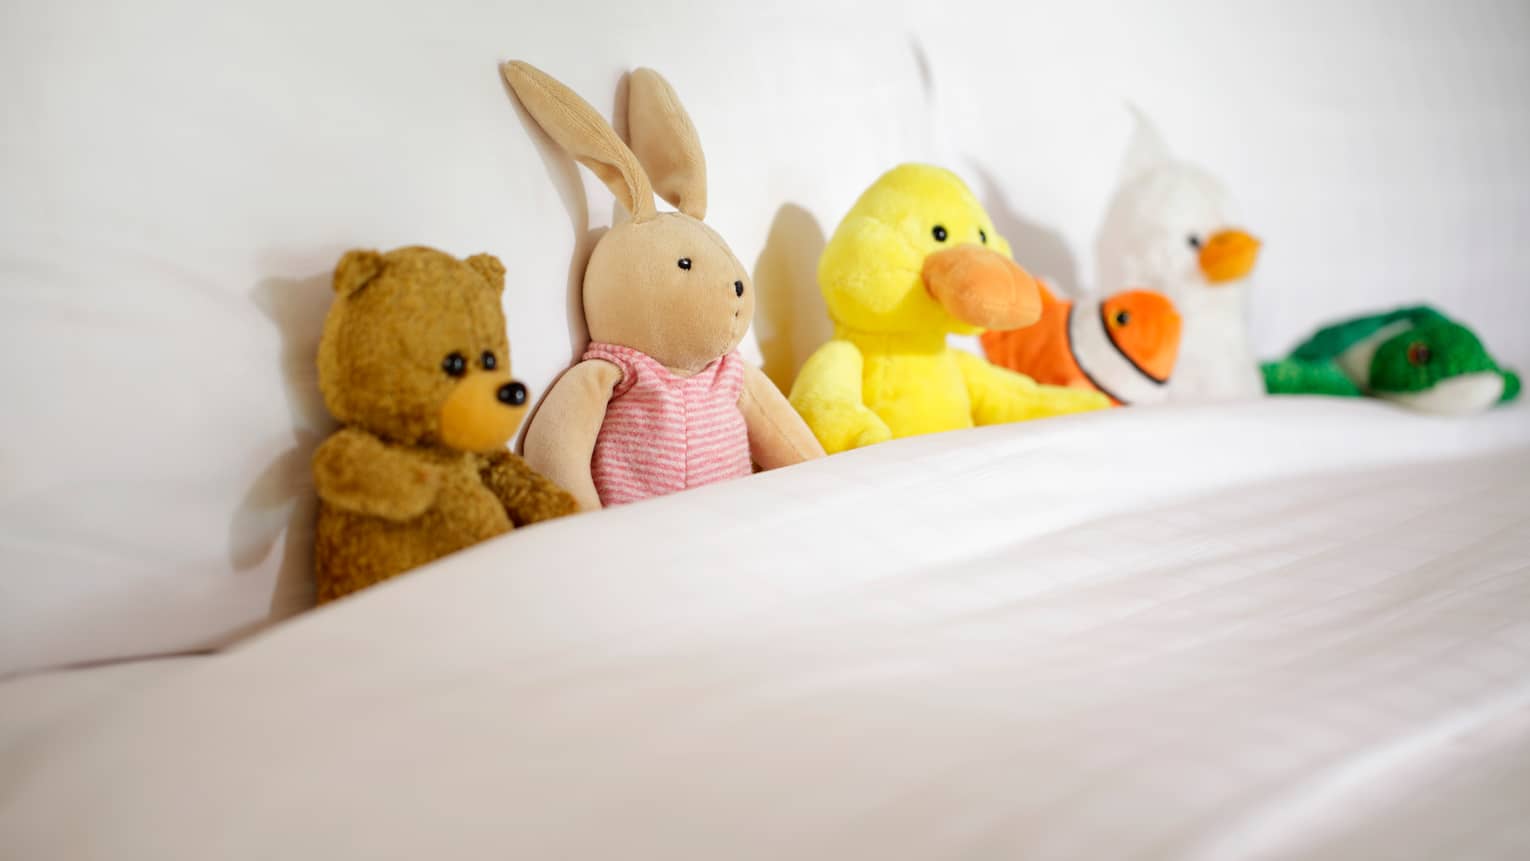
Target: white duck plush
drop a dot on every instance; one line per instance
(1170, 228)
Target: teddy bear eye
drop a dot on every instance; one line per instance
(684, 262)
(939, 233)
(488, 361)
(454, 365)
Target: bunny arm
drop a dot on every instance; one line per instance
(777, 435)
(827, 394)
(526, 495)
(358, 472)
(1000, 395)
(561, 438)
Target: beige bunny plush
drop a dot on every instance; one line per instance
(661, 401)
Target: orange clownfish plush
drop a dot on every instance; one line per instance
(1123, 347)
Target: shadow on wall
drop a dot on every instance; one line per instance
(1040, 249)
(565, 176)
(790, 319)
(282, 500)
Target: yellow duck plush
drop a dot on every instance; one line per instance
(917, 259)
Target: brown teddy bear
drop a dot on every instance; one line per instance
(415, 365)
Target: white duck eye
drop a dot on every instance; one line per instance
(1195, 242)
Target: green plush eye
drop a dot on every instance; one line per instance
(1419, 353)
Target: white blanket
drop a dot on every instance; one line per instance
(1294, 628)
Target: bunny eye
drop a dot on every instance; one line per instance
(684, 263)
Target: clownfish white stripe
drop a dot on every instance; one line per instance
(1103, 362)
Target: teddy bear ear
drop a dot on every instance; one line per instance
(357, 269)
(490, 268)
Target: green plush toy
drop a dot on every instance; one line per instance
(1415, 356)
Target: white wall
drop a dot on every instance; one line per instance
(179, 176)
(1381, 149)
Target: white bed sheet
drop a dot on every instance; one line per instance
(44, 702)
(1295, 628)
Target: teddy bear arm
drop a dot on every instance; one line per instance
(777, 435)
(526, 495)
(355, 471)
(561, 439)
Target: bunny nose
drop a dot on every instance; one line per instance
(512, 393)
(738, 288)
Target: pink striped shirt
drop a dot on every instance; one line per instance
(663, 432)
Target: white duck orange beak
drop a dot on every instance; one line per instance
(982, 287)
(1228, 255)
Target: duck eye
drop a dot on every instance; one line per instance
(1122, 318)
(488, 361)
(454, 365)
(939, 233)
(684, 263)
(982, 236)
(1195, 242)
(1419, 353)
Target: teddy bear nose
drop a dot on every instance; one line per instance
(512, 393)
(738, 288)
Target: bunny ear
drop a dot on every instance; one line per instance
(584, 134)
(666, 143)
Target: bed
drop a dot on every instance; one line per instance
(1288, 628)
(1244, 635)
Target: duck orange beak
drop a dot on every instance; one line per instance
(1228, 256)
(982, 288)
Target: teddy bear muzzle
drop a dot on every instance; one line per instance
(482, 412)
